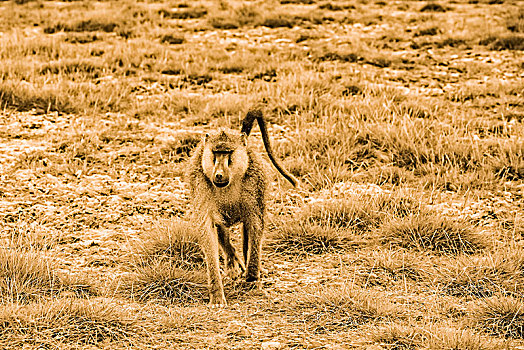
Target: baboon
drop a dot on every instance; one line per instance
(228, 186)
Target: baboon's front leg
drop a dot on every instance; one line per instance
(210, 248)
(253, 228)
(234, 264)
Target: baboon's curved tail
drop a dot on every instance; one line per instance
(247, 125)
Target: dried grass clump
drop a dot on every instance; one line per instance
(430, 231)
(336, 224)
(167, 264)
(384, 266)
(66, 321)
(33, 236)
(162, 279)
(88, 25)
(184, 13)
(24, 98)
(322, 227)
(26, 276)
(459, 339)
(399, 336)
(508, 42)
(252, 15)
(484, 276)
(308, 238)
(170, 239)
(361, 212)
(89, 68)
(180, 148)
(279, 20)
(245, 15)
(341, 307)
(172, 39)
(433, 337)
(500, 316)
(344, 213)
(433, 7)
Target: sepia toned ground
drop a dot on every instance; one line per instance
(403, 121)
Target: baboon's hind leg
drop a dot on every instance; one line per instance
(252, 233)
(235, 265)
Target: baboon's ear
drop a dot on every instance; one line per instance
(243, 137)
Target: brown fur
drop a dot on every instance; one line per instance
(228, 186)
(215, 209)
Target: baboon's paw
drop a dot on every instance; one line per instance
(251, 285)
(217, 301)
(217, 306)
(234, 270)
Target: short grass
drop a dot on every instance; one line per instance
(402, 120)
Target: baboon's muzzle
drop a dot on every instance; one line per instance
(220, 180)
(221, 169)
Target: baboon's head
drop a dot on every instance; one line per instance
(224, 158)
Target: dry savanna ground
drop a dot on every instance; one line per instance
(403, 121)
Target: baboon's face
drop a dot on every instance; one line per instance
(221, 172)
(224, 158)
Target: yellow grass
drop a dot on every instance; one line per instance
(403, 121)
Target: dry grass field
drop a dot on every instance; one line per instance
(403, 120)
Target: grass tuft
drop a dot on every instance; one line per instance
(322, 227)
(461, 339)
(508, 42)
(485, 276)
(430, 31)
(88, 25)
(71, 321)
(335, 224)
(82, 38)
(278, 21)
(68, 67)
(384, 266)
(173, 239)
(163, 280)
(344, 213)
(309, 238)
(168, 264)
(341, 307)
(336, 7)
(433, 7)
(430, 231)
(184, 13)
(399, 336)
(500, 316)
(25, 276)
(34, 236)
(24, 98)
(304, 2)
(172, 39)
